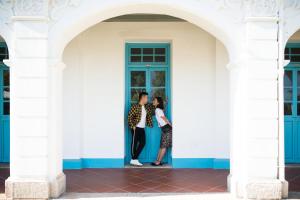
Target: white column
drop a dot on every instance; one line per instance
(55, 133)
(29, 110)
(260, 135)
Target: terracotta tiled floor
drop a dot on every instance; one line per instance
(146, 180)
(292, 175)
(152, 180)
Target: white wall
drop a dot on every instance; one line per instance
(94, 92)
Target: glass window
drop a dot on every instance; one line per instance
(147, 58)
(160, 59)
(135, 94)
(6, 77)
(158, 78)
(286, 51)
(295, 58)
(295, 50)
(147, 51)
(6, 108)
(6, 94)
(288, 77)
(148, 55)
(288, 108)
(136, 51)
(161, 51)
(159, 92)
(138, 78)
(135, 58)
(288, 94)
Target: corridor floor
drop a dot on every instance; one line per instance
(132, 180)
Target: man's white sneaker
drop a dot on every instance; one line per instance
(135, 163)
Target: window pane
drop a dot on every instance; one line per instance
(6, 78)
(158, 92)
(288, 94)
(286, 51)
(136, 51)
(295, 58)
(160, 59)
(298, 109)
(160, 51)
(158, 79)
(295, 50)
(138, 79)
(135, 59)
(147, 58)
(286, 57)
(6, 94)
(6, 108)
(288, 108)
(147, 51)
(288, 76)
(2, 57)
(135, 94)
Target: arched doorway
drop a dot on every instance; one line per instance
(4, 114)
(63, 31)
(292, 111)
(95, 83)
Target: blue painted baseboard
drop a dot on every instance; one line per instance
(214, 163)
(93, 163)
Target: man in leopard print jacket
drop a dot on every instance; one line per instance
(140, 116)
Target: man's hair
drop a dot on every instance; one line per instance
(142, 94)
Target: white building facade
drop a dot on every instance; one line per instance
(76, 66)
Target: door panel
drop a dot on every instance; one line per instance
(4, 114)
(147, 70)
(292, 114)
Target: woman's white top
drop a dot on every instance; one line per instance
(159, 113)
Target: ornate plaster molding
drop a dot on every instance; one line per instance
(34, 8)
(57, 7)
(251, 8)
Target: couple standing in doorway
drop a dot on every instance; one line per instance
(140, 116)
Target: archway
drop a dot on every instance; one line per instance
(4, 114)
(291, 112)
(88, 74)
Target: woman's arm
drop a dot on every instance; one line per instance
(166, 120)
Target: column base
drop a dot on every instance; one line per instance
(258, 188)
(16, 188)
(264, 189)
(58, 186)
(285, 189)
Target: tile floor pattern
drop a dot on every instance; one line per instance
(152, 180)
(146, 180)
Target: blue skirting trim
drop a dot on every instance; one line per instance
(214, 163)
(93, 163)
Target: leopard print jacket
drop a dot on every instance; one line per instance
(135, 114)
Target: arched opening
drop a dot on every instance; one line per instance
(4, 114)
(292, 112)
(107, 65)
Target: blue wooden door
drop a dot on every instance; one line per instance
(292, 104)
(147, 69)
(4, 106)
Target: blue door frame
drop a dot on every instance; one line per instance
(292, 104)
(147, 68)
(4, 106)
